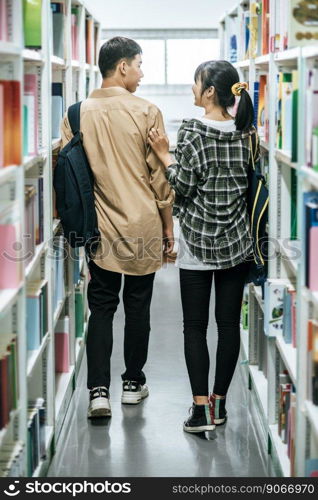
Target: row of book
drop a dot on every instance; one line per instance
(248, 34)
(12, 457)
(36, 445)
(9, 394)
(287, 416)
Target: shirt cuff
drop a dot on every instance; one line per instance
(168, 202)
(171, 171)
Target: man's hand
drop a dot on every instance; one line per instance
(168, 241)
(160, 145)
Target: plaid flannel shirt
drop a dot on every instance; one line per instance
(210, 181)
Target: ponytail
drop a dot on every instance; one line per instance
(225, 79)
(245, 112)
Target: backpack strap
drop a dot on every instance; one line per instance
(73, 115)
(253, 139)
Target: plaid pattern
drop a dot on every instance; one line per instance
(210, 181)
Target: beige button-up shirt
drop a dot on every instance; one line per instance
(130, 182)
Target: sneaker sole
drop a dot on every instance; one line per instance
(220, 421)
(99, 411)
(202, 428)
(130, 398)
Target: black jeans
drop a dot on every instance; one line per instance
(195, 295)
(103, 299)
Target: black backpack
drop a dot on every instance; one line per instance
(73, 182)
(257, 206)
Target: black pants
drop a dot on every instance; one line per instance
(195, 295)
(103, 299)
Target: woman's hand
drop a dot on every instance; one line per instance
(168, 241)
(160, 145)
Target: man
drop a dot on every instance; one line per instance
(133, 202)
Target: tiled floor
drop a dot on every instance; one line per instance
(148, 440)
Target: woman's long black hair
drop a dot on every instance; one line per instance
(222, 75)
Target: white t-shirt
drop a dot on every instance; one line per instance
(185, 259)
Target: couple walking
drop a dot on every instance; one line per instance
(136, 184)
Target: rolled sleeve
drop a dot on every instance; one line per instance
(163, 192)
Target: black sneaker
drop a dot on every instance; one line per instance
(199, 420)
(217, 410)
(99, 405)
(133, 392)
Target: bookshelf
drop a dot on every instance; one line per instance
(35, 413)
(259, 39)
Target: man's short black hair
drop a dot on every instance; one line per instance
(113, 51)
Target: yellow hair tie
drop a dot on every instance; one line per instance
(238, 87)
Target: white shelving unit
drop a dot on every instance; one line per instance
(284, 264)
(37, 376)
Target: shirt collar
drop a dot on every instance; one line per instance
(109, 92)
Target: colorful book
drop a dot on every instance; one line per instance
(62, 357)
(30, 100)
(294, 155)
(89, 26)
(58, 19)
(11, 123)
(4, 21)
(10, 256)
(57, 108)
(32, 23)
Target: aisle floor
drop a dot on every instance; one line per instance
(147, 439)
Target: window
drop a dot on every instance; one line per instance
(153, 61)
(184, 56)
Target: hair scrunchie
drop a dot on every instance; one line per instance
(238, 87)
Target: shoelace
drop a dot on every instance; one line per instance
(99, 392)
(130, 385)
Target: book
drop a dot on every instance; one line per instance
(79, 309)
(274, 305)
(4, 21)
(265, 26)
(89, 26)
(30, 101)
(74, 33)
(261, 106)
(37, 183)
(302, 23)
(294, 152)
(58, 19)
(1, 126)
(10, 255)
(256, 102)
(311, 121)
(311, 467)
(9, 376)
(12, 149)
(310, 200)
(29, 223)
(36, 313)
(57, 108)
(293, 205)
(62, 357)
(32, 23)
(253, 29)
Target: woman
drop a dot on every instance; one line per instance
(210, 181)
